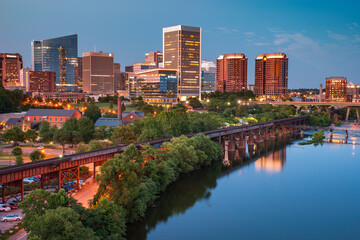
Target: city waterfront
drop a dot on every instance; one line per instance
(290, 192)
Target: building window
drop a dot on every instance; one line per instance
(28, 118)
(56, 119)
(51, 119)
(34, 118)
(61, 119)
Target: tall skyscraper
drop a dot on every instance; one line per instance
(40, 81)
(78, 75)
(182, 51)
(335, 89)
(10, 66)
(36, 56)
(57, 55)
(231, 72)
(24, 78)
(98, 72)
(208, 76)
(117, 76)
(271, 75)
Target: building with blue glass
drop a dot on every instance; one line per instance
(57, 55)
(156, 87)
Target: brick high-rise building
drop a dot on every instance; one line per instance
(335, 89)
(98, 72)
(10, 66)
(40, 81)
(78, 81)
(271, 75)
(156, 57)
(231, 72)
(117, 76)
(182, 51)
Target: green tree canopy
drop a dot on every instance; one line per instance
(86, 128)
(17, 151)
(122, 134)
(93, 112)
(14, 134)
(36, 155)
(30, 135)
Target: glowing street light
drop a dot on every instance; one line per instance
(239, 101)
(228, 103)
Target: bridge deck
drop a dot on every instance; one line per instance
(21, 171)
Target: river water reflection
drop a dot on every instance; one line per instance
(282, 190)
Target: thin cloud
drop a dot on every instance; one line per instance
(336, 36)
(249, 33)
(260, 44)
(224, 30)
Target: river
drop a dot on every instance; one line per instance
(281, 191)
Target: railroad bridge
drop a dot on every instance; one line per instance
(67, 168)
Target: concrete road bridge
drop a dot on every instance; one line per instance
(320, 106)
(66, 169)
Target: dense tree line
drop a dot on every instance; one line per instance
(56, 216)
(134, 178)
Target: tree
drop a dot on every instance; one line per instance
(111, 106)
(64, 136)
(93, 112)
(36, 155)
(19, 160)
(71, 125)
(101, 132)
(45, 132)
(122, 134)
(194, 102)
(86, 129)
(30, 135)
(68, 225)
(14, 134)
(107, 220)
(152, 129)
(17, 151)
(174, 122)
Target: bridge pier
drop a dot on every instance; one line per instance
(226, 154)
(357, 115)
(331, 133)
(259, 138)
(302, 133)
(347, 114)
(231, 145)
(251, 140)
(241, 143)
(346, 134)
(267, 135)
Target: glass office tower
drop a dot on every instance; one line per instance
(52, 54)
(182, 51)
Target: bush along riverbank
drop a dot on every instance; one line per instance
(135, 178)
(316, 139)
(129, 183)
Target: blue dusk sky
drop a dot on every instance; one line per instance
(320, 38)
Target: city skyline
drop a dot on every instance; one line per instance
(317, 44)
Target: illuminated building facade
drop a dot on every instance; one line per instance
(155, 57)
(36, 53)
(57, 55)
(208, 76)
(78, 75)
(335, 89)
(98, 72)
(352, 92)
(143, 66)
(40, 81)
(117, 76)
(24, 78)
(271, 75)
(129, 68)
(182, 51)
(158, 86)
(10, 66)
(231, 72)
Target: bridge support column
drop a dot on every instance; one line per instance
(279, 131)
(94, 173)
(242, 143)
(60, 180)
(259, 138)
(328, 110)
(42, 181)
(231, 145)
(347, 114)
(3, 189)
(331, 133)
(226, 154)
(250, 140)
(272, 134)
(267, 136)
(302, 132)
(22, 189)
(357, 115)
(346, 134)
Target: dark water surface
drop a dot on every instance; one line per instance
(284, 191)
